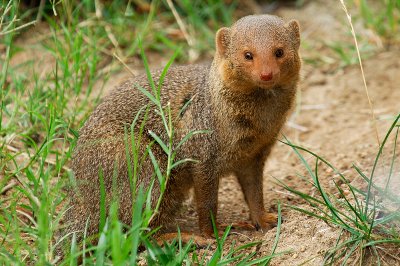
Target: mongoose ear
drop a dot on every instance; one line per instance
(222, 40)
(294, 28)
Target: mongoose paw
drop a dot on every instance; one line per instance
(197, 240)
(266, 221)
(238, 226)
(202, 242)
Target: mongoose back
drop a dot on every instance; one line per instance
(242, 98)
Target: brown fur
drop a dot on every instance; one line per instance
(244, 114)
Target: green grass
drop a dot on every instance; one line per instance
(345, 52)
(366, 217)
(380, 19)
(383, 17)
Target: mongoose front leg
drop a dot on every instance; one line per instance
(206, 196)
(251, 182)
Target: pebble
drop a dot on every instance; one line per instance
(363, 155)
(243, 239)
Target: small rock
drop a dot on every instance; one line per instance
(363, 155)
(242, 239)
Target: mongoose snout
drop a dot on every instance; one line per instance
(266, 76)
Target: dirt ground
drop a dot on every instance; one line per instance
(332, 118)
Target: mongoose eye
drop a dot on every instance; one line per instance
(248, 56)
(279, 53)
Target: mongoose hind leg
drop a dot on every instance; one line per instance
(177, 190)
(206, 195)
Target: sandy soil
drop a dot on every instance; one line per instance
(332, 118)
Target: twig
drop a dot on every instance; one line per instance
(9, 186)
(107, 27)
(362, 72)
(282, 192)
(29, 216)
(6, 10)
(40, 11)
(89, 41)
(30, 196)
(181, 25)
(18, 28)
(14, 20)
(388, 253)
(123, 63)
(48, 161)
(239, 234)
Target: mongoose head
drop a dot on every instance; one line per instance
(258, 51)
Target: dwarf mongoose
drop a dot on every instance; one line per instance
(242, 98)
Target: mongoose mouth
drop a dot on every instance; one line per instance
(266, 84)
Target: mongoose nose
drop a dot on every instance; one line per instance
(266, 76)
